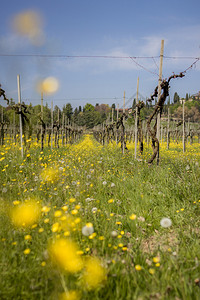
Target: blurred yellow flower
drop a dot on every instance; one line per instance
(132, 217)
(58, 213)
(27, 251)
(151, 271)
(70, 295)
(28, 237)
(50, 174)
(55, 227)
(72, 200)
(138, 268)
(25, 214)
(111, 201)
(46, 209)
(156, 259)
(63, 253)
(94, 274)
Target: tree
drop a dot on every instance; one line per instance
(103, 108)
(75, 115)
(113, 107)
(186, 97)
(68, 111)
(134, 103)
(176, 97)
(88, 107)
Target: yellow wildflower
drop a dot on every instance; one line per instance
(25, 214)
(55, 227)
(138, 268)
(28, 237)
(58, 213)
(94, 273)
(27, 251)
(132, 217)
(63, 253)
(156, 259)
(111, 201)
(50, 174)
(70, 295)
(151, 271)
(46, 209)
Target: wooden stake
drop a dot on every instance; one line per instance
(51, 125)
(183, 126)
(20, 116)
(116, 138)
(123, 146)
(117, 111)
(159, 95)
(112, 114)
(63, 121)
(14, 130)
(136, 118)
(168, 130)
(42, 146)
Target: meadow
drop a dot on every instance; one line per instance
(84, 221)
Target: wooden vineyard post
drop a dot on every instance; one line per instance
(159, 95)
(14, 129)
(183, 126)
(112, 114)
(188, 130)
(136, 119)
(168, 130)
(63, 121)
(116, 137)
(42, 141)
(2, 127)
(123, 133)
(65, 131)
(20, 116)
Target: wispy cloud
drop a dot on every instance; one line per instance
(181, 42)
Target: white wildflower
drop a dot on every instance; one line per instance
(165, 222)
(88, 229)
(112, 185)
(114, 233)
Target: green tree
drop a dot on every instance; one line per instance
(68, 111)
(176, 97)
(75, 115)
(88, 107)
(134, 103)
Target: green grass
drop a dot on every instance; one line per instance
(93, 175)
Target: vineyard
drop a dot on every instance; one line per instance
(99, 190)
(91, 214)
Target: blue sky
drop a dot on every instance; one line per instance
(101, 28)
